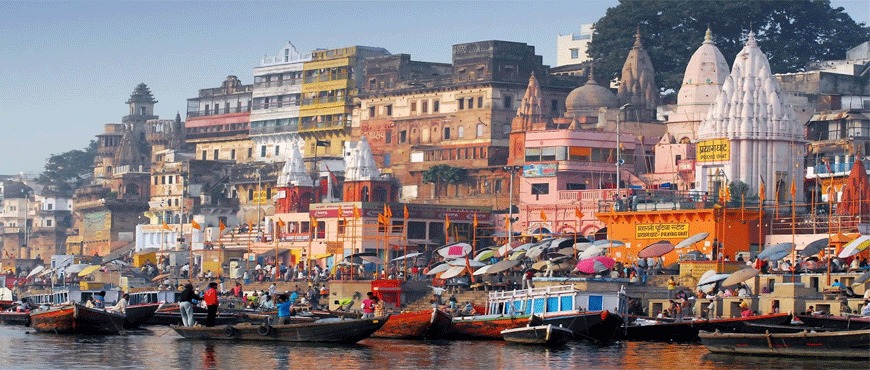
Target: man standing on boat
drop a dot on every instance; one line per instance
(185, 305)
(211, 303)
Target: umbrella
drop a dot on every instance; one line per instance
(539, 265)
(581, 246)
(89, 270)
(438, 269)
(484, 255)
(347, 263)
(75, 269)
(814, 247)
(504, 249)
(160, 277)
(455, 250)
(740, 276)
(691, 240)
(776, 252)
(36, 270)
(657, 249)
(461, 262)
(409, 255)
(561, 242)
(503, 265)
(453, 272)
(592, 251)
(524, 247)
(711, 280)
(482, 270)
(608, 243)
(861, 279)
(854, 247)
(535, 252)
(518, 255)
(595, 264)
(46, 272)
(372, 259)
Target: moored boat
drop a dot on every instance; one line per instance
(597, 326)
(836, 322)
(14, 317)
(326, 331)
(653, 330)
(75, 318)
(488, 326)
(835, 344)
(415, 325)
(137, 315)
(547, 335)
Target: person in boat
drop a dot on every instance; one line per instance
(452, 303)
(23, 306)
(865, 311)
(100, 300)
(744, 309)
(368, 307)
(211, 303)
(380, 309)
(185, 305)
(89, 303)
(469, 309)
(121, 306)
(284, 310)
(672, 286)
(344, 304)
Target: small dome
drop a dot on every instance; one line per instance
(590, 95)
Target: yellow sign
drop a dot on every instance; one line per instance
(661, 231)
(713, 150)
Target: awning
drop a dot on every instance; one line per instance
(89, 270)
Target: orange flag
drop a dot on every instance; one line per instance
(405, 213)
(446, 222)
(793, 189)
(221, 225)
(313, 222)
(280, 223)
(543, 216)
(165, 226)
(474, 222)
(356, 212)
(578, 214)
(388, 213)
(382, 219)
(761, 191)
(195, 225)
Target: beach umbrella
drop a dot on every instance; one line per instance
(581, 246)
(740, 276)
(409, 255)
(455, 250)
(559, 243)
(502, 265)
(688, 242)
(608, 243)
(861, 279)
(776, 252)
(505, 249)
(160, 277)
(535, 252)
(814, 247)
(592, 251)
(438, 269)
(462, 262)
(36, 270)
(595, 265)
(482, 270)
(854, 247)
(539, 265)
(372, 259)
(657, 249)
(484, 255)
(524, 247)
(89, 270)
(713, 279)
(453, 272)
(518, 255)
(75, 269)
(46, 272)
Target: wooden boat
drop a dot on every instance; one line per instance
(488, 326)
(323, 331)
(835, 344)
(138, 314)
(750, 327)
(75, 318)
(165, 318)
(6, 304)
(547, 335)
(654, 330)
(415, 325)
(12, 316)
(598, 326)
(836, 322)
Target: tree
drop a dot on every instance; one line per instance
(791, 33)
(70, 170)
(443, 173)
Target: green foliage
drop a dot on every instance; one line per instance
(790, 32)
(70, 170)
(443, 173)
(740, 194)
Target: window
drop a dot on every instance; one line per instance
(460, 132)
(461, 103)
(389, 109)
(387, 160)
(262, 151)
(403, 136)
(388, 137)
(413, 107)
(435, 106)
(217, 108)
(498, 186)
(277, 150)
(480, 102)
(156, 180)
(250, 152)
(677, 159)
(508, 102)
(447, 133)
(424, 105)
(575, 53)
(232, 154)
(216, 152)
(268, 193)
(48, 223)
(207, 109)
(371, 112)
(203, 154)
(548, 154)
(579, 153)
(251, 194)
(575, 186)
(470, 103)
(533, 154)
(554, 106)
(479, 130)
(538, 189)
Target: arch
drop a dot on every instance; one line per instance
(364, 194)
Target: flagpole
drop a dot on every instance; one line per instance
(793, 229)
(277, 270)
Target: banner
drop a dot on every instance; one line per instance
(715, 150)
(661, 231)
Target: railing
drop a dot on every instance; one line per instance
(272, 129)
(325, 100)
(841, 167)
(278, 83)
(324, 124)
(326, 77)
(213, 112)
(654, 200)
(277, 104)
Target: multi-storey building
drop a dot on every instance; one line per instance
(218, 122)
(571, 48)
(417, 115)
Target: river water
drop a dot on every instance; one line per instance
(161, 348)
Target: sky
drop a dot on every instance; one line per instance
(70, 66)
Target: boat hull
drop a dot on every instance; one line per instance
(687, 331)
(333, 331)
(836, 322)
(546, 335)
(836, 344)
(415, 325)
(138, 314)
(488, 326)
(598, 326)
(76, 319)
(14, 318)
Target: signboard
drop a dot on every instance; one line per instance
(686, 165)
(540, 170)
(661, 231)
(715, 150)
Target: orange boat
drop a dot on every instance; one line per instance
(489, 326)
(76, 319)
(415, 325)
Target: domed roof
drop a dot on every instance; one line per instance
(705, 74)
(590, 95)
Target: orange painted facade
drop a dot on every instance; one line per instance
(640, 229)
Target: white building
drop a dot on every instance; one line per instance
(571, 48)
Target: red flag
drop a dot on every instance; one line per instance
(195, 225)
(388, 213)
(446, 222)
(761, 191)
(793, 189)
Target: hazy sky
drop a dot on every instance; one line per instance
(70, 66)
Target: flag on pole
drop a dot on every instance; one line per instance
(314, 222)
(793, 189)
(280, 223)
(221, 226)
(578, 214)
(474, 221)
(356, 212)
(165, 226)
(507, 218)
(405, 213)
(382, 220)
(388, 213)
(761, 191)
(195, 225)
(543, 216)
(446, 222)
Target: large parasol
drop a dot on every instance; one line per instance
(814, 248)
(608, 243)
(657, 249)
(75, 269)
(592, 251)
(688, 242)
(455, 250)
(484, 255)
(854, 247)
(463, 262)
(502, 265)
(453, 272)
(438, 269)
(776, 252)
(409, 255)
(482, 270)
(595, 265)
(89, 270)
(740, 276)
(35, 271)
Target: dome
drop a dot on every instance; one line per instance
(590, 96)
(705, 74)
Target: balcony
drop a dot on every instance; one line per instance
(835, 168)
(212, 112)
(326, 78)
(326, 100)
(278, 83)
(325, 125)
(274, 129)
